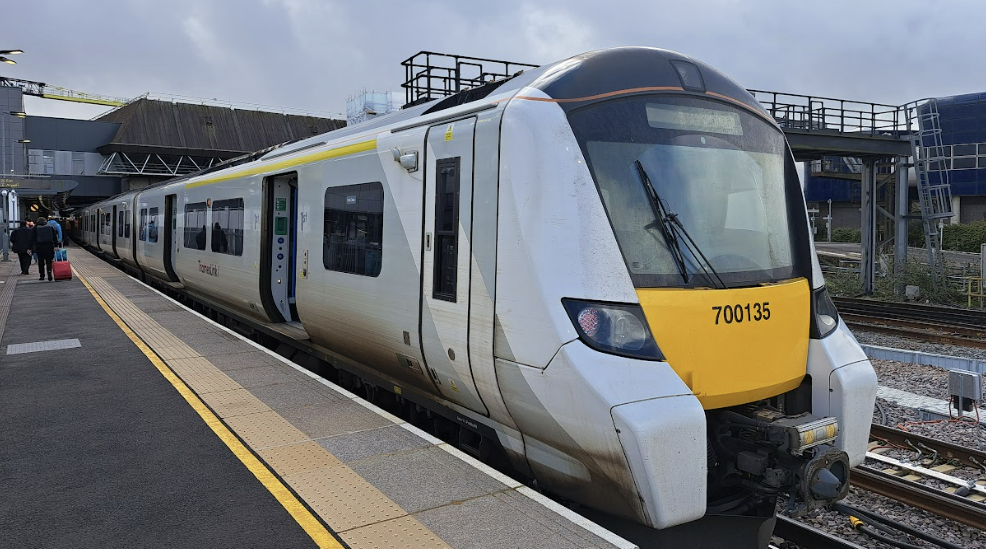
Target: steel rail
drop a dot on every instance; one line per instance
(974, 331)
(913, 311)
(918, 334)
(967, 456)
(808, 537)
(918, 495)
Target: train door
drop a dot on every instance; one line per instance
(97, 229)
(446, 262)
(117, 220)
(170, 235)
(279, 240)
(134, 238)
(105, 230)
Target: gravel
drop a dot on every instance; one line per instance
(927, 381)
(883, 340)
(837, 524)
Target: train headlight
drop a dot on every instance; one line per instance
(615, 328)
(824, 313)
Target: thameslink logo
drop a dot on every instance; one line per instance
(209, 269)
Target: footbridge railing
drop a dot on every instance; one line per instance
(811, 113)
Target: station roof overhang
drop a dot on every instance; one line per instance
(127, 148)
(28, 186)
(52, 192)
(814, 144)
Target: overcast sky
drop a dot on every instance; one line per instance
(313, 54)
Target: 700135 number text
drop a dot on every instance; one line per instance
(739, 313)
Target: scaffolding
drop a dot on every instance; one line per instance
(366, 105)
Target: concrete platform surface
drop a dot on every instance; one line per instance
(130, 421)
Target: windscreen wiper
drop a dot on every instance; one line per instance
(667, 229)
(670, 225)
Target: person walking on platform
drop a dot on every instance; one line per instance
(43, 240)
(20, 244)
(58, 229)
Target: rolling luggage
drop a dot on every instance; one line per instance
(62, 270)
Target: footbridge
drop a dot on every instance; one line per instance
(878, 144)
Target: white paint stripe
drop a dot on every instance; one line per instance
(38, 346)
(564, 512)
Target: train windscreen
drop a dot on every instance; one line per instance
(695, 190)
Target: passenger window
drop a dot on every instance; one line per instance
(119, 223)
(126, 223)
(227, 226)
(446, 229)
(195, 225)
(152, 225)
(142, 223)
(353, 232)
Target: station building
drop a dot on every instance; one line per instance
(55, 165)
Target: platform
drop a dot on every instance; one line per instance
(131, 421)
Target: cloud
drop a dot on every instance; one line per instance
(313, 54)
(553, 34)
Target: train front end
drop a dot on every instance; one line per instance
(724, 372)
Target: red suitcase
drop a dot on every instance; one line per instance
(62, 270)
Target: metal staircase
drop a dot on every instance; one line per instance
(931, 169)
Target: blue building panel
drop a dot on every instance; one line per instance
(962, 125)
(820, 189)
(963, 176)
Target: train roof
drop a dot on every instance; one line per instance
(570, 82)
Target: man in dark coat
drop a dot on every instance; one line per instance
(43, 239)
(20, 244)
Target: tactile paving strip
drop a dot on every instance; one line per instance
(265, 430)
(6, 296)
(342, 498)
(230, 404)
(298, 458)
(399, 533)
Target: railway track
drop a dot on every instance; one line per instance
(803, 535)
(912, 311)
(966, 503)
(923, 322)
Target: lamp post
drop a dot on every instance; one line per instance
(7, 196)
(6, 209)
(9, 52)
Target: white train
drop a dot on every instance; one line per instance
(604, 263)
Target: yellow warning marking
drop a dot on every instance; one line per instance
(281, 165)
(448, 132)
(322, 537)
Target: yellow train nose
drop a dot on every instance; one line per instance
(732, 346)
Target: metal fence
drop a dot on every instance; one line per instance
(811, 113)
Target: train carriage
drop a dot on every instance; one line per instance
(149, 244)
(604, 264)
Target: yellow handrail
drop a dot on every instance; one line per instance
(975, 287)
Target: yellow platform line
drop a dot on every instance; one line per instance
(312, 526)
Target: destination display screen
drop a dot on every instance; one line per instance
(681, 117)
